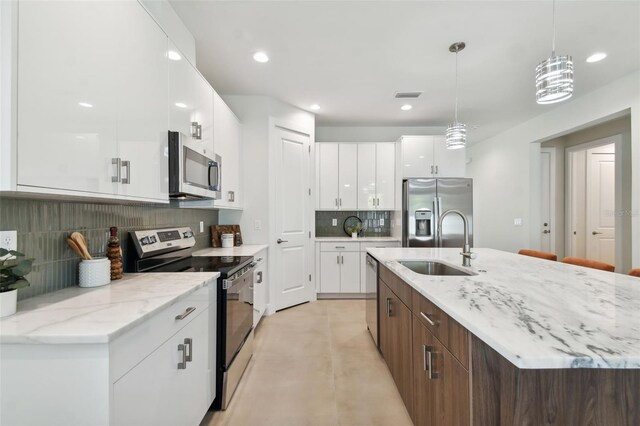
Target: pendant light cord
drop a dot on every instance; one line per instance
(456, 114)
(553, 43)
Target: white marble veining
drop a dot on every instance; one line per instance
(356, 240)
(243, 250)
(536, 313)
(98, 315)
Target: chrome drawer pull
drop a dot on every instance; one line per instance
(185, 313)
(188, 342)
(429, 320)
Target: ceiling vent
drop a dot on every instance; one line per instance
(408, 95)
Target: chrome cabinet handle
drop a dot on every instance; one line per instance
(231, 196)
(259, 277)
(431, 373)
(339, 247)
(436, 169)
(595, 233)
(338, 259)
(118, 163)
(432, 169)
(424, 357)
(194, 129)
(188, 342)
(429, 320)
(336, 202)
(186, 313)
(342, 259)
(389, 313)
(199, 131)
(280, 241)
(182, 365)
(127, 165)
(340, 202)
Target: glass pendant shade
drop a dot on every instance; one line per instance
(456, 135)
(554, 79)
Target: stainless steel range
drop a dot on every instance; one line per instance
(169, 250)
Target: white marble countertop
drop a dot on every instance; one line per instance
(98, 315)
(356, 240)
(535, 313)
(243, 250)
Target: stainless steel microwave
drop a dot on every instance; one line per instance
(192, 174)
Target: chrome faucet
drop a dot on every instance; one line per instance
(466, 250)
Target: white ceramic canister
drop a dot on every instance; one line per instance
(8, 303)
(95, 272)
(227, 240)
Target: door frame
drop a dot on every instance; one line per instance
(552, 196)
(276, 124)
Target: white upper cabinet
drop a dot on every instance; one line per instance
(427, 156)
(376, 176)
(337, 174)
(92, 115)
(190, 102)
(227, 137)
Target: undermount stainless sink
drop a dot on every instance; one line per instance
(431, 267)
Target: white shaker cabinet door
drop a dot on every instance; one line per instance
(385, 176)
(348, 176)
(68, 98)
(156, 392)
(366, 176)
(327, 176)
(448, 162)
(330, 272)
(350, 272)
(227, 138)
(417, 156)
(143, 116)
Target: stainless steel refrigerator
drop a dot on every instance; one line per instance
(424, 200)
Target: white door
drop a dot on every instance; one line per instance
(547, 162)
(385, 176)
(417, 156)
(327, 176)
(366, 176)
(348, 176)
(600, 217)
(447, 162)
(292, 274)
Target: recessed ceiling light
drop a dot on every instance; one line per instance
(261, 57)
(315, 107)
(596, 57)
(173, 55)
(181, 105)
(85, 104)
(406, 107)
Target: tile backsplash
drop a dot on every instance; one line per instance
(370, 220)
(44, 225)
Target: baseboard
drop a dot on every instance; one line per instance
(325, 296)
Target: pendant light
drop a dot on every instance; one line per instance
(554, 76)
(456, 132)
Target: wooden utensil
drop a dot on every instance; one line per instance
(81, 242)
(75, 248)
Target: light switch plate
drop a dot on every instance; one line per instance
(334, 222)
(517, 221)
(257, 225)
(201, 226)
(9, 240)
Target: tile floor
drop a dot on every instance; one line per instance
(315, 364)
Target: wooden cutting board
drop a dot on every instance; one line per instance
(218, 230)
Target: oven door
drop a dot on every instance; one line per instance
(239, 317)
(191, 173)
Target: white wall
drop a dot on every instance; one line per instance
(506, 167)
(371, 133)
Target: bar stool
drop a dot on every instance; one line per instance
(635, 272)
(588, 263)
(538, 254)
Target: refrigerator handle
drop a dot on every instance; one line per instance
(405, 214)
(436, 221)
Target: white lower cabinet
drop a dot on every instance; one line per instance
(170, 386)
(260, 286)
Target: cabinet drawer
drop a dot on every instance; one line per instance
(452, 335)
(399, 287)
(130, 348)
(379, 244)
(339, 246)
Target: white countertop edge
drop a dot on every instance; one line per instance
(356, 240)
(101, 338)
(243, 250)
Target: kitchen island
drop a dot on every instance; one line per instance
(520, 340)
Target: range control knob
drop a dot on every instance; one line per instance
(153, 239)
(188, 234)
(144, 241)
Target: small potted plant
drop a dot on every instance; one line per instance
(13, 267)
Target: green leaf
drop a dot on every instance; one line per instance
(16, 253)
(3, 252)
(23, 268)
(19, 284)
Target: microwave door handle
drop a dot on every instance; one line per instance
(216, 185)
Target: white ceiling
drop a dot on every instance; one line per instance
(351, 57)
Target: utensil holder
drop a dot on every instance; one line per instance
(94, 272)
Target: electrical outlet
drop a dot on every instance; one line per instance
(517, 221)
(381, 222)
(334, 222)
(9, 240)
(257, 225)
(201, 226)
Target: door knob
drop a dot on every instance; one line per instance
(546, 231)
(280, 241)
(595, 233)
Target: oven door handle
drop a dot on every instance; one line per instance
(227, 284)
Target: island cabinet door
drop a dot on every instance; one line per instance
(440, 383)
(396, 342)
